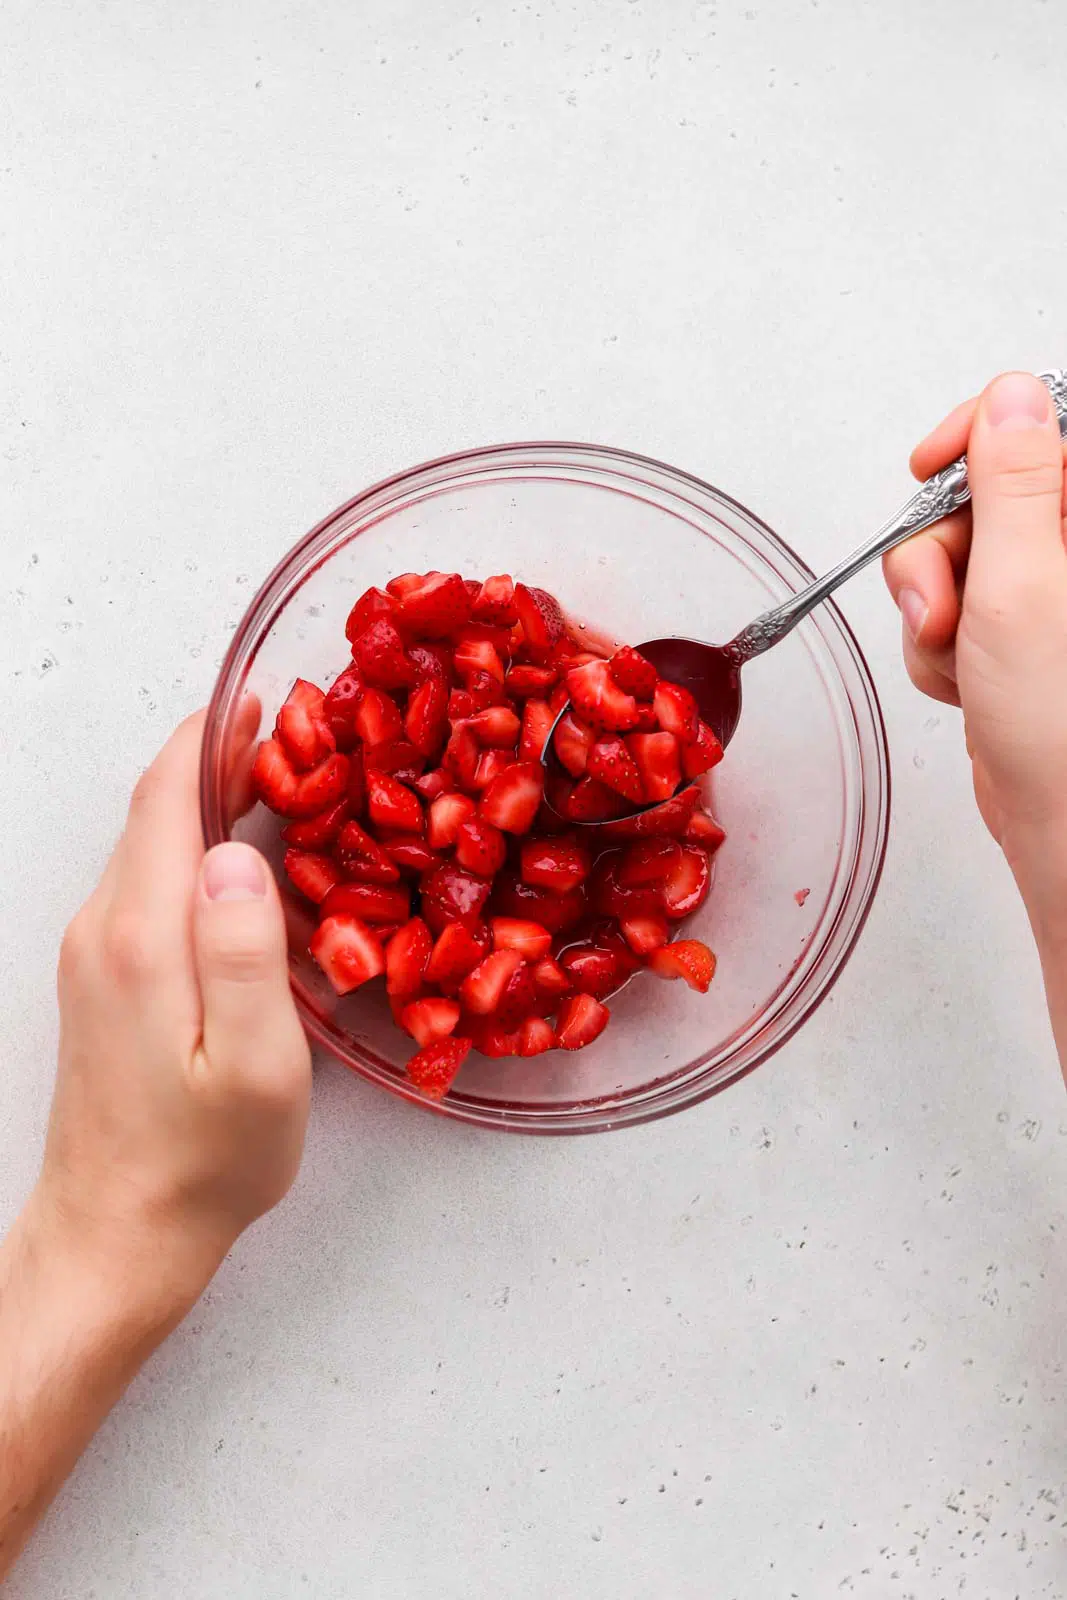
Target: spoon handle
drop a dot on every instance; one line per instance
(945, 492)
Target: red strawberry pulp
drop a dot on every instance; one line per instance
(418, 831)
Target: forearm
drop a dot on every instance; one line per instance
(73, 1333)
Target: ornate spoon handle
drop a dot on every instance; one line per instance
(946, 491)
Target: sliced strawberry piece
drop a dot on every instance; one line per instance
(556, 912)
(432, 785)
(648, 861)
(491, 763)
(474, 654)
(340, 706)
(406, 958)
(304, 728)
(676, 711)
(581, 1020)
(551, 982)
(593, 971)
(356, 787)
(397, 758)
(686, 958)
(556, 864)
(480, 847)
(426, 721)
(362, 858)
(633, 673)
(462, 755)
(704, 831)
(686, 887)
(379, 654)
(403, 584)
(273, 778)
(598, 699)
(457, 951)
(377, 903)
(436, 606)
(525, 679)
(512, 799)
(612, 764)
(572, 744)
(313, 875)
(643, 934)
(347, 951)
(498, 727)
(704, 753)
(537, 720)
(670, 819)
(377, 719)
(485, 690)
(541, 617)
(559, 698)
(530, 939)
(318, 832)
(434, 1069)
(591, 801)
(658, 762)
(392, 806)
(430, 1019)
(495, 601)
(646, 719)
(483, 988)
(519, 997)
(449, 894)
(410, 853)
(319, 789)
(446, 814)
(610, 899)
(431, 661)
(461, 706)
(490, 1038)
(372, 606)
(536, 1036)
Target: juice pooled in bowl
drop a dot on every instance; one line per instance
(418, 822)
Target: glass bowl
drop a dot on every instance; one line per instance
(639, 550)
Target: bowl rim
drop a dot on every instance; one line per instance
(592, 1116)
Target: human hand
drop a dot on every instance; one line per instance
(983, 596)
(184, 1075)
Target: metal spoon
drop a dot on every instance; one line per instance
(712, 672)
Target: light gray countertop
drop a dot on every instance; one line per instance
(807, 1339)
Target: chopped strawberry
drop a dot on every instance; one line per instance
(512, 799)
(430, 1019)
(572, 744)
(426, 721)
(704, 753)
(477, 655)
(480, 847)
(303, 727)
(556, 912)
(434, 1069)
(446, 814)
(518, 998)
(340, 706)
(406, 957)
(485, 689)
(643, 934)
(490, 1038)
(318, 832)
(676, 711)
(397, 758)
(611, 763)
(491, 763)
(537, 720)
(347, 951)
(656, 755)
(462, 754)
(536, 1036)
(391, 805)
(592, 971)
(362, 858)
(670, 819)
(559, 698)
(551, 981)
(530, 939)
(273, 777)
(497, 727)
(377, 719)
(432, 785)
(449, 894)
(460, 706)
(319, 789)
(312, 874)
(409, 852)
(372, 606)
(525, 679)
(556, 864)
(458, 949)
(646, 719)
(403, 584)
(581, 1020)
(483, 988)
(633, 673)
(610, 899)
(598, 699)
(370, 902)
(485, 633)
(541, 619)
(436, 606)
(431, 661)
(591, 801)
(379, 654)
(648, 861)
(704, 831)
(686, 887)
(356, 788)
(686, 958)
(495, 601)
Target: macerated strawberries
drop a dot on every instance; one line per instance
(420, 831)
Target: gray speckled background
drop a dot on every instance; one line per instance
(808, 1339)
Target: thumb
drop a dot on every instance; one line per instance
(252, 1036)
(1017, 563)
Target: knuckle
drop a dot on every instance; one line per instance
(75, 947)
(243, 952)
(1018, 476)
(130, 947)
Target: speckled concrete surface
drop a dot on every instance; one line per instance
(807, 1340)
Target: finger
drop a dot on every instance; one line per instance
(1015, 464)
(927, 677)
(158, 856)
(923, 576)
(948, 440)
(252, 1038)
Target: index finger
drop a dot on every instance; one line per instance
(948, 440)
